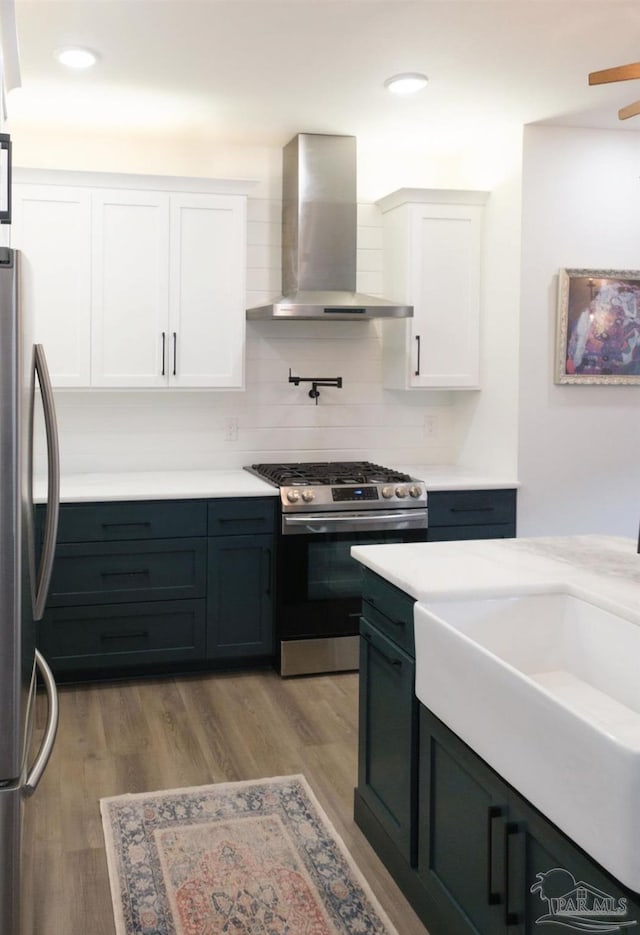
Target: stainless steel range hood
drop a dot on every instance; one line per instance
(319, 226)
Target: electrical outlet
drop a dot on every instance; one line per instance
(231, 429)
(430, 426)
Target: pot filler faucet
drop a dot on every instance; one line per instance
(315, 382)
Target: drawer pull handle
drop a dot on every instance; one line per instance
(398, 623)
(135, 634)
(267, 557)
(144, 523)
(472, 509)
(125, 574)
(241, 519)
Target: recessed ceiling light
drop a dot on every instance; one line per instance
(407, 83)
(76, 57)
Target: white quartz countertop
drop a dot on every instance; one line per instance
(234, 482)
(157, 485)
(601, 568)
(455, 477)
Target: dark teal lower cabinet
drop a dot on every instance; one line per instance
(239, 597)
(459, 855)
(471, 514)
(492, 863)
(488, 863)
(147, 587)
(471, 855)
(388, 720)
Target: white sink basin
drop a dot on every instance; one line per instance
(546, 689)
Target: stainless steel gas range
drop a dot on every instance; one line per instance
(327, 507)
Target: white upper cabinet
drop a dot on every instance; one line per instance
(51, 226)
(130, 293)
(207, 290)
(135, 287)
(432, 260)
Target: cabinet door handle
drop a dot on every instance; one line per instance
(511, 916)
(494, 897)
(164, 351)
(267, 555)
(175, 352)
(125, 574)
(417, 370)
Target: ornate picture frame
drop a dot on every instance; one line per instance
(598, 327)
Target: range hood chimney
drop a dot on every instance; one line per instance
(319, 229)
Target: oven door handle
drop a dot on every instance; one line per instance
(314, 523)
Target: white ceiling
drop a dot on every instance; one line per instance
(258, 71)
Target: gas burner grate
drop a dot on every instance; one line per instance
(333, 473)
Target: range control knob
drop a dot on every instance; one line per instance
(308, 495)
(415, 491)
(293, 496)
(387, 491)
(401, 491)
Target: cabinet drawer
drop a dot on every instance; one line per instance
(109, 572)
(123, 634)
(398, 629)
(460, 533)
(389, 609)
(131, 519)
(241, 517)
(471, 507)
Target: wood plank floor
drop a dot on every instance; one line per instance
(167, 733)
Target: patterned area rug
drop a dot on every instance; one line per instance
(243, 858)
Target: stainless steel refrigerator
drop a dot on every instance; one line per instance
(25, 571)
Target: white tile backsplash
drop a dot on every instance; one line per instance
(173, 429)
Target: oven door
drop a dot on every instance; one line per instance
(319, 583)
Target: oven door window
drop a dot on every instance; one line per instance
(332, 573)
(320, 584)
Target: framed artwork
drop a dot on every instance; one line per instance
(598, 326)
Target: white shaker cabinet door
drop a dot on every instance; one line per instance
(52, 228)
(433, 260)
(130, 291)
(207, 290)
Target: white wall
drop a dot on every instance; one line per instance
(579, 450)
(487, 422)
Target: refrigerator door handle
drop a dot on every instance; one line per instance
(40, 763)
(53, 481)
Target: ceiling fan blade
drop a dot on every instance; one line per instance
(620, 73)
(631, 110)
